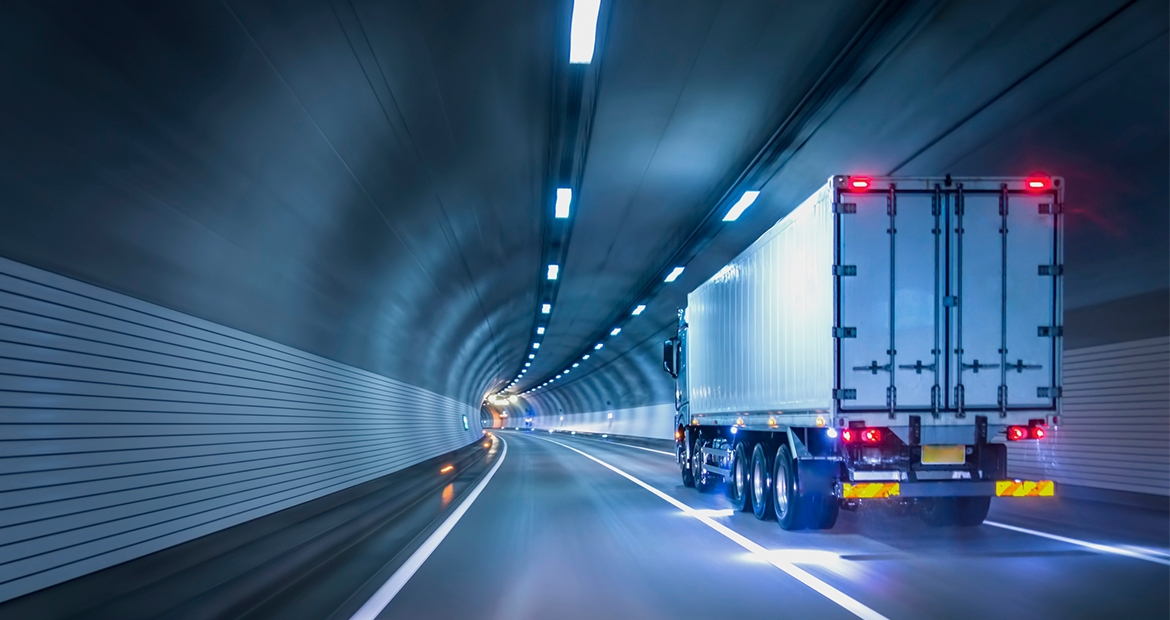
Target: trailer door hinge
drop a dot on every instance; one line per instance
(844, 207)
(1044, 331)
(1051, 270)
(1049, 392)
(848, 394)
(844, 270)
(844, 332)
(1049, 208)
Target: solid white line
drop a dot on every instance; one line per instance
(630, 445)
(1083, 543)
(844, 600)
(390, 589)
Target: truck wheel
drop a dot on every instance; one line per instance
(684, 462)
(739, 487)
(960, 511)
(702, 479)
(821, 512)
(761, 483)
(789, 504)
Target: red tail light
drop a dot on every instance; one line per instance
(859, 183)
(1016, 433)
(1037, 183)
(871, 435)
(848, 436)
(1038, 432)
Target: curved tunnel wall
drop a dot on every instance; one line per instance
(129, 427)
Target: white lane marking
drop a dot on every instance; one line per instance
(1083, 543)
(844, 600)
(630, 445)
(394, 584)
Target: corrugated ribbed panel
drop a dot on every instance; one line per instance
(128, 428)
(1114, 430)
(760, 329)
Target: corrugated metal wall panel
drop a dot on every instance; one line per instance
(1114, 431)
(128, 427)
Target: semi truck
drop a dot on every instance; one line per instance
(881, 344)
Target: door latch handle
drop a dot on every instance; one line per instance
(975, 366)
(1020, 366)
(917, 367)
(873, 367)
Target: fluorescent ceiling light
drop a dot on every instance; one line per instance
(615, 331)
(547, 308)
(639, 309)
(527, 364)
(536, 345)
(576, 364)
(564, 198)
(585, 357)
(540, 330)
(554, 271)
(598, 346)
(583, 35)
(740, 206)
(674, 274)
(531, 355)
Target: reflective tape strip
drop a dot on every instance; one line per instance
(1025, 488)
(870, 490)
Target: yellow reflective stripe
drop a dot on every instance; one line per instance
(1025, 488)
(870, 490)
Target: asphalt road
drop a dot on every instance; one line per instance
(556, 534)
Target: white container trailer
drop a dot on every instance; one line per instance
(881, 342)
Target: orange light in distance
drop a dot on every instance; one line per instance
(447, 469)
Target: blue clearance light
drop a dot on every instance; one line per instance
(741, 205)
(831, 433)
(639, 309)
(734, 430)
(554, 271)
(583, 33)
(545, 308)
(564, 199)
(616, 331)
(674, 274)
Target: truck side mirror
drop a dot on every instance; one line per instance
(669, 357)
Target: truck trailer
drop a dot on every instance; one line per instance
(881, 344)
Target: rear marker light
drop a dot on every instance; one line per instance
(1036, 183)
(859, 183)
(1016, 433)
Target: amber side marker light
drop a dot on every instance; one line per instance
(447, 469)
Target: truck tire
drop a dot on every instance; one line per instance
(952, 511)
(790, 511)
(739, 486)
(702, 479)
(761, 483)
(684, 462)
(821, 512)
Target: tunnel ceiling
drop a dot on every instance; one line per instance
(374, 181)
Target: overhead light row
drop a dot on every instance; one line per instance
(745, 200)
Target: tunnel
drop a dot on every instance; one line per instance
(359, 309)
